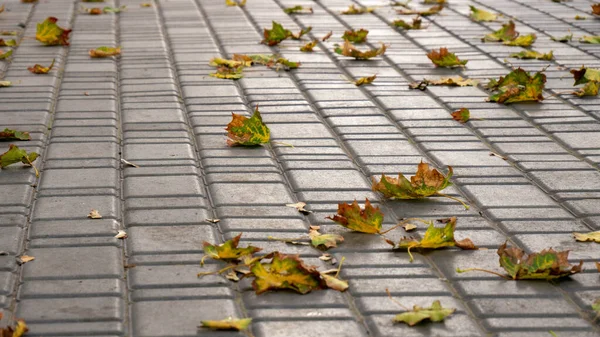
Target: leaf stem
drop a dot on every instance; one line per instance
(458, 270)
(340, 266)
(402, 223)
(232, 266)
(37, 173)
(453, 198)
(395, 301)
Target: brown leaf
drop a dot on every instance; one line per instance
(121, 235)
(94, 214)
(24, 259)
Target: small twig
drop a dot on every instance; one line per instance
(458, 270)
(494, 154)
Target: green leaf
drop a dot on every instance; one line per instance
(481, 15)
(228, 324)
(590, 39)
(9, 134)
(5, 55)
(522, 41)
(285, 272)
(40, 69)
(532, 54)
(298, 10)
(355, 36)
(416, 24)
(589, 89)
(461, 115)
(435, 313)
(518, 86)
(367, 220)
(50, 34)
(247, 131)
(585, 75)
(426, 182)
(546, 265)
(324, 241)
(108, 9)
(8, 43)
(506, 33)
(349, 50)
(444, 58)
(228, 251)
(276, 34)
(15, 155)
(105, 52)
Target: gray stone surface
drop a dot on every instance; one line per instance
(156, 106)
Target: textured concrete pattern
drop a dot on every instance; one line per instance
(157, 107)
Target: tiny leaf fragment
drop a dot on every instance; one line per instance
(94, 214)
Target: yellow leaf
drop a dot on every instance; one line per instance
(247, 131)
(353, 10)
(431, 11)
(94, 214)
(424, 183)
(522, 41)
(444, 58)
(481, 15)
(105, 52)
(49, 33)
(228, 324)
(228, 251)
(285, 272)
(591, 236)
(39, 69)
(365, 80)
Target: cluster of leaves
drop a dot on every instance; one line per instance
(355, 36)
(233, 69)
(591, 80)
(277, 33)
(349, 50)
(444, 58)
(518, 86)
(509, 36)
(18, 331)
(532, 54)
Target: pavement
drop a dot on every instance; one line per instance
(157, 107)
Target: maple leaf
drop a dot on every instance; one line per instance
(596, 9)
(298, 10)
(563, 39)
(591, 236)
(519, 86)
(227, 324)
(434, 238)
(365, 80)
(349, 50)
(351, 216)
(481, 15)
(355, 36)
(50, 34)
(39, 69)
(5, 55)
(18, 331)
(105, 52)
(15, 155)
(416, 24)
(522, 41)
(444, 58)
(506, 33)
(435, 313)
(450, 81)
(247, 131)
(461, 115)
(228, 73)
(9, 134)
(353, 10)
(532, 54)
(324, 241)
(585, 75)
(589, 89)
(227, 251)
(590, 39)
(426, 182)
(8, 43)
(307, 48)
(285, 272)
(431, 11)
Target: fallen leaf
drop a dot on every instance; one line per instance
(94, 214)
(128, 163)
(434, 2)
(9, 32)
(351, 216)
(566, 38)
(15, 155)
(5, 83)
(232, 276)
(146, 5)
(105, 52)
(232, 3)
(532, 54)
(298, 10)
(277, 34)
(282, 63)
(18, 331)
(93, 11)
(585, 75)
(326, 257)
(355, 36)
(435, 313)
(40, 69)
(518, 86)
(416, 23)
(590, 39)
(522, 41)
(121, 235)
(228, 324)
(285, 272)
(404, 4)
(434, 238)
(431, 11)
(334, 283)
(365, 80)
(228, 73)
(9, 134)
(444, 58)
(247, 131)
(450, 81)
(591, 236)
(300, 207)
(228, 251)
(50, 34)
(353, 10)
(506, 33)
(24, 259)
(547, 265)
(212, 220)
(309, 46)
(426, 182)
(324, 241)
(597, 266)
(596, 9)
(461, 115)
(115, 10)
(8, 43)
(349, 50)
(409, 227)
(327, 36)
(589, 89)
(5, 55)
(481, 15)
(596, 307)
(579, 17)
(219, 62)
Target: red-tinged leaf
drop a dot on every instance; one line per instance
(506, 33)
(18, 331)
(247, 131)
(307, 48)
(327, 36)
(351, 216)
(9, 134)
(461, 115)
(5, 55)
(8, 43)
(50, 34)
(40, 69)
(518, 86)
(426, 182)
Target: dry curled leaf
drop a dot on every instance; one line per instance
(565, 38)
(351, 216)
(522, 41)
(365, 80)
(212, 220)
(596, 9)
(50, 34)
(417, 23)
(435, 313)
(128, 163)
(532, 54)
(233, 3)
(409, 227)
(426, 182)
(518, 86)
(450, 81)
(461, 115)
(94, 214)
(355, 36)
(228, 324)
(327, 36)
(481, 15)
(247, 131)
(105, 52)
(589, 89)
(431, 11)
(9, 134)
(591, 236)
(585, 75)
(24, 259)
(353, 10)
(5, 55)
(506, 33)
(349, 50)
(285, 272)
(300, 207)
(228, 251)
(18, 331)
(40, 69)
(121, 234)
(444, 58)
